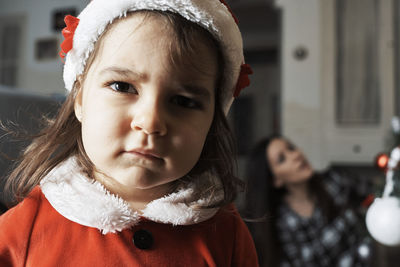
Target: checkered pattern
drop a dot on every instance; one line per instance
(316, 242)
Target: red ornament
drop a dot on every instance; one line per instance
(381, 161)
(368, 201)
(243, 80)
(68, 32)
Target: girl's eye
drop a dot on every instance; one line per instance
(122, 87)
(186, 102)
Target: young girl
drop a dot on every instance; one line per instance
(136, 169)
(309, 217)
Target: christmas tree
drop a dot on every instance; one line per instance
(383, 216)
(396, 169)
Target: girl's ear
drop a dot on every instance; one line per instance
(78, 99)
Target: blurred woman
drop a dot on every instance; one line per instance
(301, 217)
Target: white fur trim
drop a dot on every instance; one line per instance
(87, 202)
(210, 14)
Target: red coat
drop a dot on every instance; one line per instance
(34, 234)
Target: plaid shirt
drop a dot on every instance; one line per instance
(313, 241)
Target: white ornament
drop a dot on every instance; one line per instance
(383, 216)
(395, 155)
(383, 220)
(396, 124)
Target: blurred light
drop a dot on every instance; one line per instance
(364, 251)
(382, 161)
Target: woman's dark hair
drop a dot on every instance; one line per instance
(263, 200)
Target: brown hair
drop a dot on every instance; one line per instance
(61, 137)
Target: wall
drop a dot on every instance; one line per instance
(301, 92)
(45, 76)
(357, 144)
(308, 86)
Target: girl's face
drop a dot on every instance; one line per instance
(288, 164)
(144, 119)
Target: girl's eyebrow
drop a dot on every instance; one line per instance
(196, 90)
(122, 71)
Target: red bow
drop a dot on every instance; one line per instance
(230, 10)
(68, 33)
(243, 80)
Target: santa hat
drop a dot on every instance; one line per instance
(213, 15)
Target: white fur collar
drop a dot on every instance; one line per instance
(87, 202)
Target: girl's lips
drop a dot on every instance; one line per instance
(145, 153)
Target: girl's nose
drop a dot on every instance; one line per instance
(149, 118)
